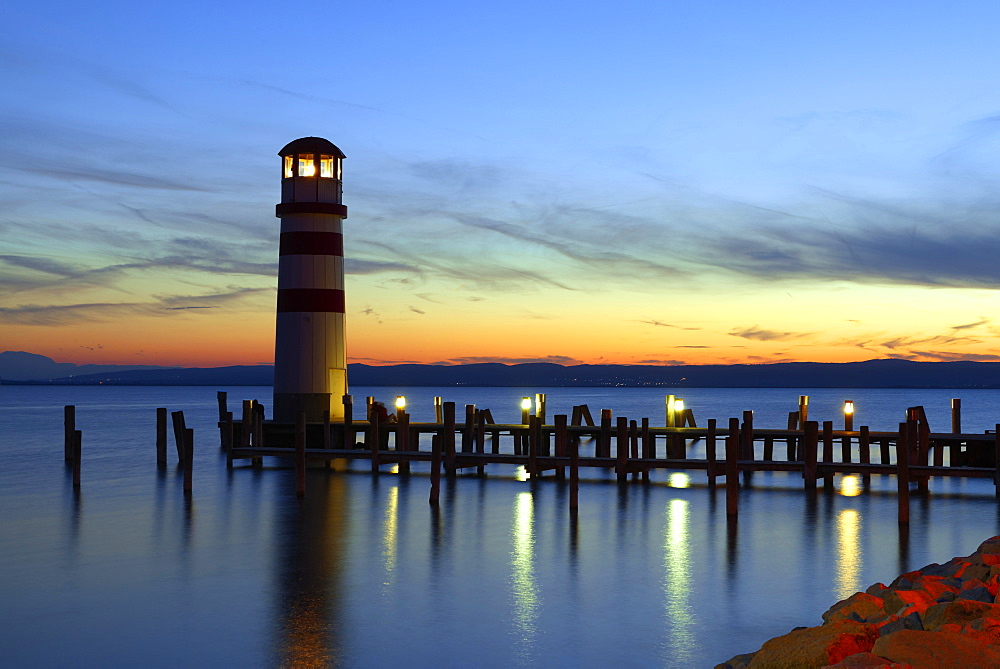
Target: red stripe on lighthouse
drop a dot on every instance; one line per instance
(311, 299)
(311, 243)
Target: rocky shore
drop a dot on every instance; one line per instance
(942, 615)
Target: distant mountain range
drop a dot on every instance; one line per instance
(19, 368)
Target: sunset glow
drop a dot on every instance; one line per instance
(781, 184)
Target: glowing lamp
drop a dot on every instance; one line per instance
(848, 407)
(400, 402)
(678, 405)
(526, 404)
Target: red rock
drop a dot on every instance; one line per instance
(913, 600)
(816, 646)
(868, 660)
(860, 605)
(933, 650)
(991, 545)
(935, 586)
(960, 611)
(991, 559)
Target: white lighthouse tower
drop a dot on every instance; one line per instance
(310, 359)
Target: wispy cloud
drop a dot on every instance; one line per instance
(556, 359)
(759, 334)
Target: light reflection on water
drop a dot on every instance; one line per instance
(523, 587)
(363, 572)
(679, 619)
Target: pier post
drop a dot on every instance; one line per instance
(828, 454)
(810, 446)
(374, 439)
(574, 475)
(561, 439)
(532, 446)
(633, 438)
(223, 410)
(710, 454)
(188, 459)
(803, 409)
(956, 416)
(77, 449)
(161, 436)
(300, 453)
(468, 429)
(435, 469)
(403, 439)
(69, 427)
(448, 409)
(621, 449)
(438, 410)
(178, 421)
(733, 467)
(349, 439)
(648, 447)
(746, 445)
(604, 439)
(232, 438)
(907, 435)
(996, 460)
(793, 452)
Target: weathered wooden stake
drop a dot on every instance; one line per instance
(533, 446)
(374, 439)
(69, 428)
(733, 467)
(562, 441)
(448, 409)
(574, 474)
(188, 459)
(864, 445)
(179, 427)
(621, 449)
(604, 440)
(469, 428)
(828, 451)
(77, 457)
(996, 459)
(710, 451)
(746, 439)
(161, 436)
(232, 439)
(223, 410)
(435, 469)
(349, 438)
(648, 447)
(803, 409)
(792, 452)
(438, 410)
(956, 416)
(907, 434)
(300, 453)
(810, 446)
(403, 438)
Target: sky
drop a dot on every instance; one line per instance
(641, 182)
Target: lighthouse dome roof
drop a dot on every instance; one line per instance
(311, 145)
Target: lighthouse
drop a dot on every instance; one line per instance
(310, 359)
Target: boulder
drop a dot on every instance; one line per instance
(860, 606)
(912, 600)
(990, 546)
(933, 650)
(816, 646)
(867, 660)
(960, 611)
(978, 594)
(737, 662)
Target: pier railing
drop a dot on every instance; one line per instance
(630, 448)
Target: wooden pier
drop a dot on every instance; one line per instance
(630, 448)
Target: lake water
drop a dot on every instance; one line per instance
(363, 572)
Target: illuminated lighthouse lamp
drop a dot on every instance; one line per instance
(310, 358)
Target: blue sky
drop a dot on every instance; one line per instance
(724, 181)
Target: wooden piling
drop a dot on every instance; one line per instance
(403, 438)
(178, 421)
(996, 459)
(746, 444)
(710, 454)
(448, 409)
(349, 439)
(468, 429)
(438, 410)
(532, 445)
(223, 410)
(77, 454)
(621, 449)
(633, 440)
(864, 445)
(907, 433)
(540, 408)
(793, 452)
(232, 438)
(69, 429)
(648, 447)
(374, 439)
(574, 474)
(562, 440)
(188, 459)
(803, 409)
(604, 438)
(246, 424)
(435, 469)
(956, 416)
(161, 436)
(828, 451)
(810, 446)
(300, 454)
(732, 467)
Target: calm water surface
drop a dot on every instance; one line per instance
(364, 573)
